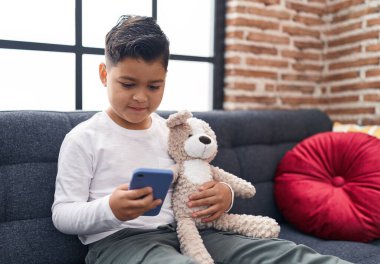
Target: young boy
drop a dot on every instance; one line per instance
(98, 156)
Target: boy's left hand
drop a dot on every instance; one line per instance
(215, 196)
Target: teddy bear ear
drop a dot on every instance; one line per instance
(178, 118)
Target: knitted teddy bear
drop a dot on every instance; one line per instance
(192, 144)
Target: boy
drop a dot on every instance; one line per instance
(98, 156)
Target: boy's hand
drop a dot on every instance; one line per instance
(129, 204)
(216, 196)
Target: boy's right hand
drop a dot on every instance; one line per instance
(129, 204)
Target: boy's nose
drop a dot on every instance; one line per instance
(139, 97)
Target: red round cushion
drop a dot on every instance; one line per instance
(329, 186)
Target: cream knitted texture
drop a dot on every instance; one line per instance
(188, 235)
(181, 131)
(240, 186)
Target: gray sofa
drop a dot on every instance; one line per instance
(251, 143)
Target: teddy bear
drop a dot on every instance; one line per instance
(192, 145)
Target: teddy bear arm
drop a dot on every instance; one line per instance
(175, 169)
(240, 186)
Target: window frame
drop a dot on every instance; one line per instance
(79, 50)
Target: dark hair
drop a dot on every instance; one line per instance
(136, 37)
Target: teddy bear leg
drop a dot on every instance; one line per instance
(191, 241)
(248, 225)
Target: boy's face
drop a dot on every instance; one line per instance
(135, 90)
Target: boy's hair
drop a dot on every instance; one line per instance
(136, 37)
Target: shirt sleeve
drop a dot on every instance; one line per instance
(72, 213)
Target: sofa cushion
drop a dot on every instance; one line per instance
(37, 241)
(355, 252)
(329, 186)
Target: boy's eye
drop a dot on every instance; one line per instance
(128, 85)
(154, 87)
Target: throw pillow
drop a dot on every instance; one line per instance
(329, 186)
(370, 130)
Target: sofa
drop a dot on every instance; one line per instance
(251, 145)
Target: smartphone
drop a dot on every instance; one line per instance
(158, 179)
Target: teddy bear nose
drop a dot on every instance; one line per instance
(204, 140)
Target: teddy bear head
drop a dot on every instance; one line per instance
(190, 138)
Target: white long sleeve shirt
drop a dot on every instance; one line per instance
(96, 157)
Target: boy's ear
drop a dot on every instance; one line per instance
(103, 74)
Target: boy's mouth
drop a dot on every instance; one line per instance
(135, 108)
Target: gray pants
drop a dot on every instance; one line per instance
(161, 246)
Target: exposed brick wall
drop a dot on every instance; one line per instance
(304, 54)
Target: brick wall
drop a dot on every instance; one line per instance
(304, 54)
